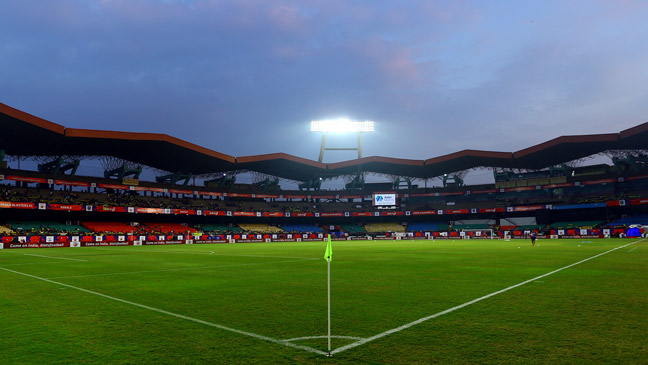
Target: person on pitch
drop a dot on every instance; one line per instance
(533, 238)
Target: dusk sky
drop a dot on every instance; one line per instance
(247, 77)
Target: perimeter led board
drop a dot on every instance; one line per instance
(342, 126)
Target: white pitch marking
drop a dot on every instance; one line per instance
(53, 257)
(316, 337)
(421, 320)
(177, 269)
(196, 320)
(34, 263)
(632, 249)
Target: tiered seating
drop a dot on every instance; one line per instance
(353, 229)
(579, 224)
(5, 230)
(637, 219)
(108, 227)
(471, 226)
(260, 228)
(46, 226)
(168, 228)
(301, 228)
(427, 226)
(384, 227)
(220, 228)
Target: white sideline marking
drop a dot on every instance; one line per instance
(177, 269)
(34, 263)
(196, 320)
(408, 325)
(53, 257)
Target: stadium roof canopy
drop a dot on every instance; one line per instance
(22, 134)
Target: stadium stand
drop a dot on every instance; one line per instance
(168, 228)
(6, 231)
(305, 228)
(427, 226)
(109, 227)
(352, 229)
(579, 224)
(260, 228)
(384, 227)
(219, 228)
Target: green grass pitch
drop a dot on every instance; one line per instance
(266, 303)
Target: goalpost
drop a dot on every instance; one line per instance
(485, 232)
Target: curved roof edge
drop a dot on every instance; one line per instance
(170, 153)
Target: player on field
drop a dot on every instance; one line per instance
(533, 238)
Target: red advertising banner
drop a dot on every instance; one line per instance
(266, 196)
(326, 214)
(638, 201)
(424, 194)
(528, 208)
(102, 208)
(272, 214)
(553, 186)
(113, 186)
(351, 197)
(323, 196)
(145, 188)
(393, 213)
(210, 193)
(637, 177)
(214, 212)
(176, 191)
(456, 211)
(492, 210)
(300, 214)
(65, 207)
(244, 214)
(602, 181)
(522, 188)
(36, 244)
(237, 195)
(295, 196)
(71, 183)
(424, 212)
(488, 191)
(453, 193)
(361, 214)
(26, 179)
(16, 205)
(184, 211)
(150, 210)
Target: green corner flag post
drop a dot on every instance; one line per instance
(328, 256)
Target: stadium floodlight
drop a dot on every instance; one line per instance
(341, 125)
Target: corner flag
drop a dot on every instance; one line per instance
(328, 254)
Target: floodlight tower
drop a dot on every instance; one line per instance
(341, 126)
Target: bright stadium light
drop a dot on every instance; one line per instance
(342, 125)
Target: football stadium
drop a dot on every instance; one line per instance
(190, 264)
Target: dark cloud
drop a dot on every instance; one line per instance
(245, 77)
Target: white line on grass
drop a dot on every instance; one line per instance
(162, 311)
(408, 325)
(177, 269)
(53, 257)
(632, 249)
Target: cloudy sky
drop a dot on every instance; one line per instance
(246, 77)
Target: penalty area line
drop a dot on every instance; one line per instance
(53, 257)
(181, 316)
(421, 320)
